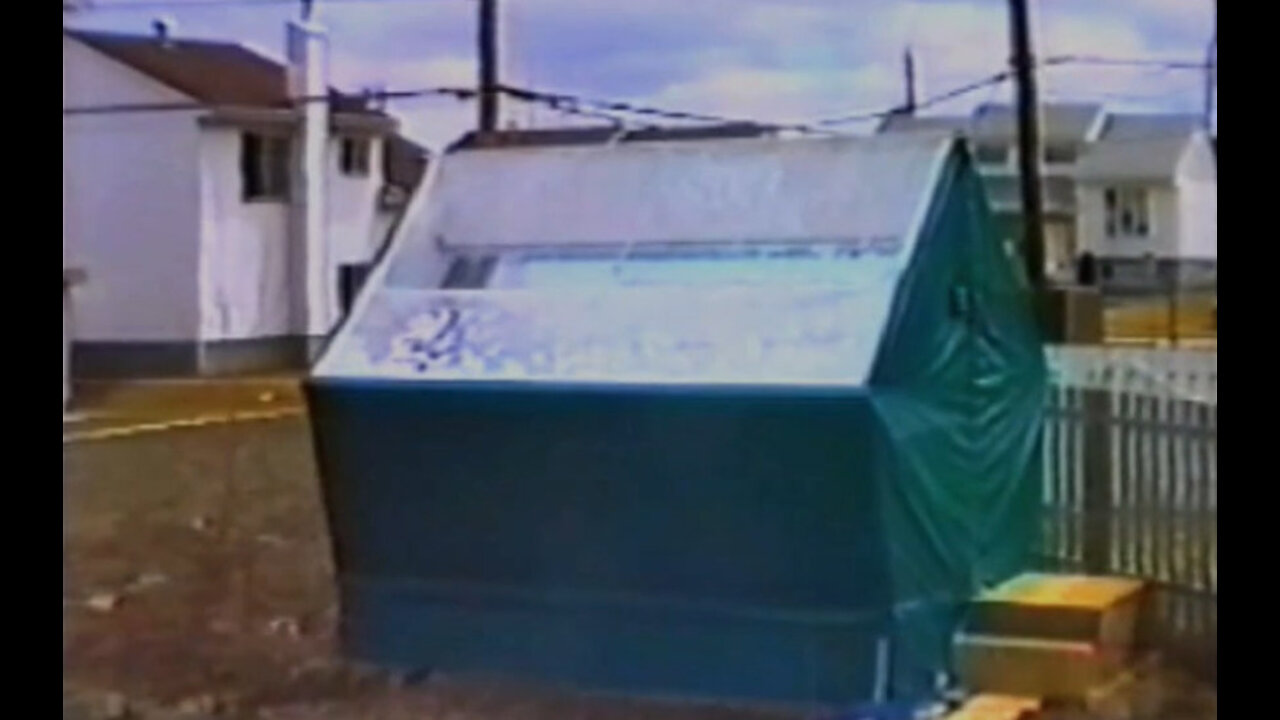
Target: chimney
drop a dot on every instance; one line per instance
(163, 28)
(315, 309)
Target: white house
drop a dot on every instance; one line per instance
(1085, 150)
(70, 278)
(186, 200)
(1149, 205)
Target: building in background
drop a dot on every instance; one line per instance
(185, 199)
(1148, 194)
(1090, 155)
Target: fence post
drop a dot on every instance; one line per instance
(1097, 501)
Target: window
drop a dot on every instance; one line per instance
(1059, 154)
(992, 154)
(351, 278)
(354, 161)
(1128, 213)
(264, 167)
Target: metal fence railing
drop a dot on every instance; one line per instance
(1131, 481)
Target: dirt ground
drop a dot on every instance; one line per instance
(197, 582)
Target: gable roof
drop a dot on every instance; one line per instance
(1132, 126)
(230, 75)
(1059, 122)
(1150, 158)
(212, 72)
(994, 122)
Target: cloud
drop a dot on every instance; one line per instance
(782, 95)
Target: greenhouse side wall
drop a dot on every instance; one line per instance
(959, 390)
(717, 543)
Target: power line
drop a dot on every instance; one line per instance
(187, 106)
(1004, 76)
(140, 5)
(1099, 60)
(560, 100)
(989, 81)
(613, 111)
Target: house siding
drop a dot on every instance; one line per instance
(1198, 194)
(188, 277)
(130, 205)
(356, 229)
(1147, 263)
(245, 282)
(253, 289)
(1163, 241)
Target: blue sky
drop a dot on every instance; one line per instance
(774, 60)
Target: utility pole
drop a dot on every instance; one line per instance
(488, 65)
(909, 71)
(1211, 72)
(1028, 142)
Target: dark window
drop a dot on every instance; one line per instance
(355, 157)
(1128, 212)
(992, 154)
(350, 279)
(264, 167)
(1059, 154)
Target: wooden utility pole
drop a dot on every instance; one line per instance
(1211, 73)
(487, 26)
(909, 71)
(1028, 142)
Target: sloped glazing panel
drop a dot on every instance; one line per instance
(855, 263)
(780, 335)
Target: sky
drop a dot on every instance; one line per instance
(765, 60)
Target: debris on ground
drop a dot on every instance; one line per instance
(205, 704)
(114, 706)
(146, 580)
(286, 626)
(272, 540)
(102, 602)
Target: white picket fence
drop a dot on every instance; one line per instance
(1157, 516)
(1159, 372)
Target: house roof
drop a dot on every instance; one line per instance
(1149, 158)
(212, 72)
(1143, 126)
(552, 137)
(1061, 122)
(230, 75)
(901, 122)
(1140, 147)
